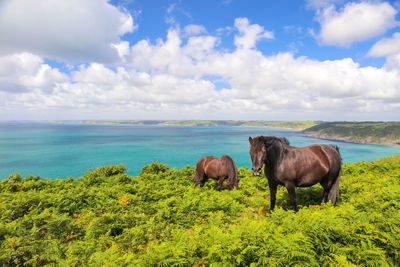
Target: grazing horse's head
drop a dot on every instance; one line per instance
(257, 154)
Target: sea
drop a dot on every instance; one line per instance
(60, 150)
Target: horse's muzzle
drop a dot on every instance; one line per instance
(256, 171)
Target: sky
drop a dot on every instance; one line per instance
(191, 59)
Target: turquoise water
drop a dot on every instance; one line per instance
(61, 150)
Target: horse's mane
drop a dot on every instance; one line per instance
(276, 149)
(270, 140)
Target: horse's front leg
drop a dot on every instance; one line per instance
(203, 179)
(272, 193)
(221, 180)
(292, 194)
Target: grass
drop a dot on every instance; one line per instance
(158, 218)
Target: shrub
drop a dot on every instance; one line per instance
(154, 168)
(159, 218)
(109, 171)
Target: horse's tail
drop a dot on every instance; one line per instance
(196, 178)
(337, 149)
(333, 194)
(233, 173)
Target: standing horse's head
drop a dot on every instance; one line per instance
(257, 154)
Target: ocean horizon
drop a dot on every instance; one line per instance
(61, 150)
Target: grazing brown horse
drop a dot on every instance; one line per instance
(296, 166)
(216, 168)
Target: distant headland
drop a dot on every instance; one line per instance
(379, 133)
(294, 125)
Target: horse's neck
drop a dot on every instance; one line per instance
(275, 154)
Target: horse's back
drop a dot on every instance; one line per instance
(204, 162)
(211, 165)
(325, 153)
(219, 166)
(327, 156)
(229, 161)
(332, 155)
(306, 165)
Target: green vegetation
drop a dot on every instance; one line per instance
(297, 125)
(157, 218)
(360, 132)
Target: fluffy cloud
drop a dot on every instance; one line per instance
(355, 22)
(175, 78)
(389, 48)
(23, 75)
(72, 30)
(193, 29)
(170, 56)
(26, 72)
(393, 62)
(249, 34)
(386, 47)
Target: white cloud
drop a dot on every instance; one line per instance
(194, 29)
(122, 49)
(170, 56)
(72, 30)
(320, 4)
(389, 48)
(355, 22)
(26, 72)
(293, 29)
(249, 34)
(174, 9)
(392, 62)
(386, 46)
(171, 79)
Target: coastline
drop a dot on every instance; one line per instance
(349, 139)
(193, 124)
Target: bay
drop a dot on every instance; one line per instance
(54, 150)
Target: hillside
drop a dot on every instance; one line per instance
(382, 133)
(296, 125)
(157, 218)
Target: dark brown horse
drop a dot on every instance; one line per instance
(217, 168)
(296, 166)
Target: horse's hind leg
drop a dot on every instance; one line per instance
(292, 194)
(231, 183)
(327, 185)
(325, 196)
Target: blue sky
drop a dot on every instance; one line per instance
(290, 21)
(221, 59)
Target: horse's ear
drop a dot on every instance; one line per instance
(250, 139)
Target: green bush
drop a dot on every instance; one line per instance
(108, 171)
(154, 168)
(159, 218)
